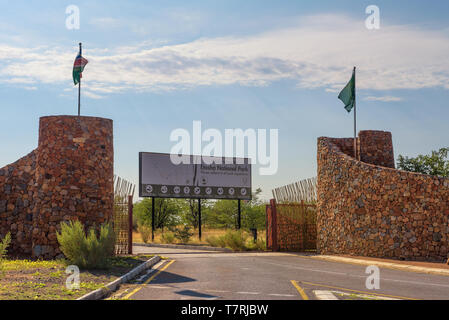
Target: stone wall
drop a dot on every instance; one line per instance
(372, 210)
(69, 176)
(17, 183)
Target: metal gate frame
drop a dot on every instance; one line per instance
(123, 216)
(297, 214)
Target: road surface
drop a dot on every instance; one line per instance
(189, 274)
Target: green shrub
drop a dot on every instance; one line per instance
(260, 245)
(145, 232)
(168, 237)
(86, 251)
(216, 241)
(4, 245)
(235, 240)
(183, 234)
(3, 250)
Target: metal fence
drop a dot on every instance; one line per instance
(304, 190)
(291, 226)
(123, 195)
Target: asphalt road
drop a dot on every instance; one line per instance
(191, 274)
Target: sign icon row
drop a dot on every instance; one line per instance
(196, 190)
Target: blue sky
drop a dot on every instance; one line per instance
(157, 66)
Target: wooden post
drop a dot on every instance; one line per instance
(130, 224)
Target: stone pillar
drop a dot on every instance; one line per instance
(74, 177)
(376, 147)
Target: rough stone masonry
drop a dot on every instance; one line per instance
(69, 176)
(368, 208)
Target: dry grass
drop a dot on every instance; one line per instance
(195, 240)
(45, 279)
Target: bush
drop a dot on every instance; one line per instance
(168, 237)
(235, 240)
(4, 245)
(87, 251)
(145, 232)
(3, 250)
(260, 245)
(183, 234)
(215, 241)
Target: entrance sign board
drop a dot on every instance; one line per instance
(203, 177)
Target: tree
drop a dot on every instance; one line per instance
(224, 213)
(221, 214)
(253, 212)
(166, 212)
(436, 164)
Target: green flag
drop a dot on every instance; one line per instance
(347, 95)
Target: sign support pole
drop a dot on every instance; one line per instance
(152, 219)
(199, 219)
(240, 215)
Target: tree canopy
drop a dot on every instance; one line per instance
(214, 213)
(436, 164)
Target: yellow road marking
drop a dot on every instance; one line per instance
(358, 291)
(148, 280)
(300, 290)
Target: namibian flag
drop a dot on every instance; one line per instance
(78, 68)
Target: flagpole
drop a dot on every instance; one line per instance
(79, 90)
(355, 120)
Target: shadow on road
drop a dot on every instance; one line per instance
(195, 294)
(193, 252)
(167, 277)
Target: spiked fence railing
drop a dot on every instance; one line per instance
(304, 190)
(122, 190)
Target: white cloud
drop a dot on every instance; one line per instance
(105, 22)
(383, 99)
(90, 94)
(318, 53)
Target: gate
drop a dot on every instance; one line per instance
(123, 215)
(291, 226)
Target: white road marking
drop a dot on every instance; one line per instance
(198, 298)
(364, 296)
(243, 292)
(416, 282)
(324, 295)
(281, 295)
